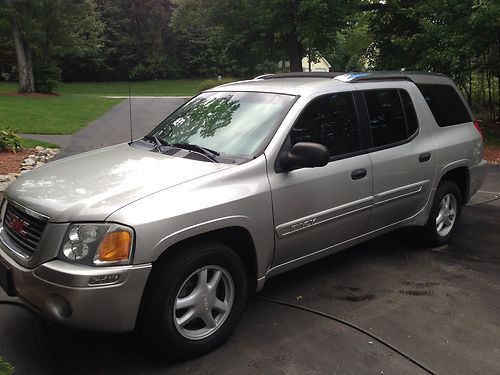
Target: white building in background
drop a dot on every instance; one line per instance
(321, 65)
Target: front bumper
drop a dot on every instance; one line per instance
(63, 292)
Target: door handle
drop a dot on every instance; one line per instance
(426, 156)
(358, 174)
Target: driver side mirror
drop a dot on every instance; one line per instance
(304, 155)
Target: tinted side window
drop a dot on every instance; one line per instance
(331, 121)
(411, 115)
(445, 104)
(387, 120)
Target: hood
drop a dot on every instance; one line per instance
(93, 185)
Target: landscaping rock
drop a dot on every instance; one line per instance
(36, 160)
(28, 162)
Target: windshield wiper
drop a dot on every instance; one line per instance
(159, 144)
(210, 154)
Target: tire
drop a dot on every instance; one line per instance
(182, 314)
(445, 215)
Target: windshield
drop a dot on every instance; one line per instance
(230, 123)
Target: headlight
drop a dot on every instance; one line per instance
(98, 244)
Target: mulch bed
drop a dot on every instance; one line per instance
(492, 155)
(11, 162)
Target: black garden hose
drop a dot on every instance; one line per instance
(351, 325)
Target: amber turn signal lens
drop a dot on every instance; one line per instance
(115, 247)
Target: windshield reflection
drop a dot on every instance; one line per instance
(231, 123)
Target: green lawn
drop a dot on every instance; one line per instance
(63, 114)
(31, 143)
(180, 87)
(7, 87)
(77, 105)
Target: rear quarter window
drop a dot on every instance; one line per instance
(445, 104)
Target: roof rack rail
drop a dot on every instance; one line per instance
(301, 75)
(354, 77)
(372, 76)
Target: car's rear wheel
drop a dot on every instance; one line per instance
(193, 300)
(445, 214)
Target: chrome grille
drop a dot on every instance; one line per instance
(22, 229)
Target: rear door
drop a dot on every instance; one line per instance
(317, 208)
(403, 156)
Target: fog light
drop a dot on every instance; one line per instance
(104, 279)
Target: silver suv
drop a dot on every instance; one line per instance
(169, 233)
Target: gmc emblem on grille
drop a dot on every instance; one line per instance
(18, 225)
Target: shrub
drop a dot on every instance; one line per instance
(9, 140)
(5, 368)
(209, 83)
(47, 77)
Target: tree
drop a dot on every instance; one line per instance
(259, 30)
(296, 28)
(44, 30)
(459, 38)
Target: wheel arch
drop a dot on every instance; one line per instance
(460, 176)
(238, 238)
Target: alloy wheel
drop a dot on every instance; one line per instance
(203, 302)
(447, 215)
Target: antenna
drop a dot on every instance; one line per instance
(130, 109)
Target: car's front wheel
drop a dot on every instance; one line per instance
(193, 300)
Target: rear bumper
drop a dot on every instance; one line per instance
(65, 293)
(477, 173)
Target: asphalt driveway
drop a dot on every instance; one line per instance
(439, 306)
(114, 126)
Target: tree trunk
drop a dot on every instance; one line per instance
(491, 112)
(498, 74)
(295, 52)
(29, 65)
(309, 57)
(24, 65)
(498, 80)
(469, 93)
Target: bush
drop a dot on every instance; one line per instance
(47, 77)
(5, 368)
(9, 140)
(209, 83)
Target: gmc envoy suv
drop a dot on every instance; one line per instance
(169, 233)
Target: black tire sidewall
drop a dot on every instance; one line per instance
(165, 290)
